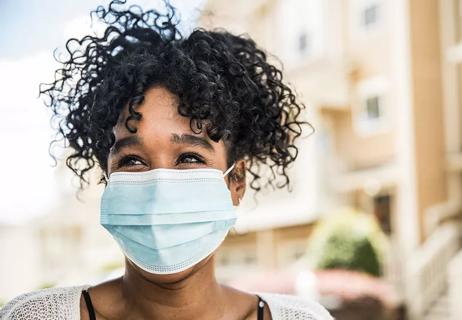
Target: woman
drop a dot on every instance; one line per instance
(174, 124)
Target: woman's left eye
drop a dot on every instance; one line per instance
(190, 158)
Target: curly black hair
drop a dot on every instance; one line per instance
(224, 83)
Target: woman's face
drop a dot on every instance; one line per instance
(164, 139)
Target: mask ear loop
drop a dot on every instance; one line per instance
(229, 170)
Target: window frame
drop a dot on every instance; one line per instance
(370, 88)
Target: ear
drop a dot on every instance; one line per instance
(237, 182)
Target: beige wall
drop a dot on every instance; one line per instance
(369, 49)
(358, 151)
(427, 105)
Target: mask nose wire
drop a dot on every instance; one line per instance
(224, 174)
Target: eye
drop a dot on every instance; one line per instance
(129, 161)
(189, 158)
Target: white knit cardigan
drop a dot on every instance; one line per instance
(64, 304)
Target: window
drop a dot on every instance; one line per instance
(367, 17)
(370, 115)
(382, 211)
(305, 26)
(370, 118)
(373, 107)
(370, 15)
(304, 43)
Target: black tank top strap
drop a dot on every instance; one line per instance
(91, 310)
(260, 308)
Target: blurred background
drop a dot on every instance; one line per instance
(372, 227)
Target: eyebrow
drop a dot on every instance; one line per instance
(191, 140)
(175, 138)
(126, 142)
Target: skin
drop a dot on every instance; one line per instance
(164, 139)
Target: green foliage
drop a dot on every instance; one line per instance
(348, 240)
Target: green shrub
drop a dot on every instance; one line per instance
(348, 240)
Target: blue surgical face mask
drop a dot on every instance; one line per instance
(167, 220)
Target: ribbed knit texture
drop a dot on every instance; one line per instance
(64, 304)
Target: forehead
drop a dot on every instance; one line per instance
(159, 114)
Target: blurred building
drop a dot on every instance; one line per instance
(381, 80)
(65, 245)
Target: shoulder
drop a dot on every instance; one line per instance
(284, 307)
(52, 303)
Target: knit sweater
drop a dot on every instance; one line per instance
(64, 304)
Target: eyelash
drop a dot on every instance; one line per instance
(194, 155)
(124, 161)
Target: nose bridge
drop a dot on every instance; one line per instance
(162, 158)
(158, 149)
(157, 144)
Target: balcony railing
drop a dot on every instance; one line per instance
(427, 277)
(455, 286)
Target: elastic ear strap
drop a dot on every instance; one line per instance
(229, 170)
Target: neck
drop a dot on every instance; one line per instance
(192, 294)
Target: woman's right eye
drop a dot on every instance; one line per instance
(129, 161)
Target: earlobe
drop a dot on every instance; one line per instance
(240, 189)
